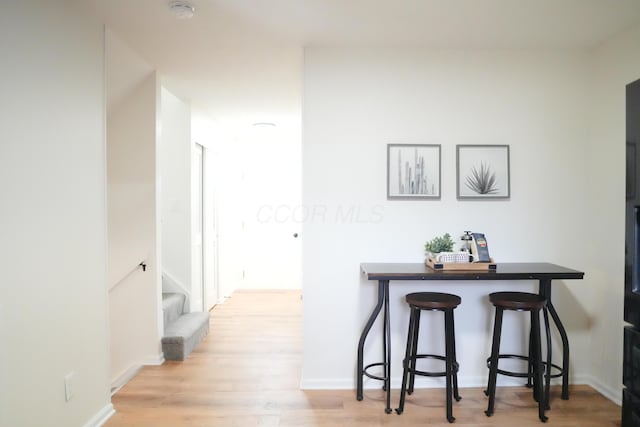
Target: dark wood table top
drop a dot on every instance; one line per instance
(504, 271)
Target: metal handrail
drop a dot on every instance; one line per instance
(142, 265)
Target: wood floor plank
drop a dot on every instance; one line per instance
(246, 373)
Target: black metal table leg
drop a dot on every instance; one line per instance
(545, 289)
(565, 350)
(365, 332)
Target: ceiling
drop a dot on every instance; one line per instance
(243, 58)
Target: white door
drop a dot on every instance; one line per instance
(210, 230)
(272, 209)
(198, 275)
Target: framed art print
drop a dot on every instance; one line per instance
(482, 172)
(413, 171)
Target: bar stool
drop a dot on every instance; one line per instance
(518, 301)
(439, 302)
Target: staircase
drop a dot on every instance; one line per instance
(182, 331)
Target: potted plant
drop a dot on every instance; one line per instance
(437, 245)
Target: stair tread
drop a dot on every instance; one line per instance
(185, 326)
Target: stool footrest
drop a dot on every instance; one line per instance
(511, 373)
(373, 376)
(558, 369)
(430, 373)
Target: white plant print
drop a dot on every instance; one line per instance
(483, 172)
(413, 171)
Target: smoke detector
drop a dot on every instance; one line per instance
(182, 9)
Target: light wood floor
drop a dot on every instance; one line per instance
(246, 373)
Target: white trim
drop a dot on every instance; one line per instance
(107, 411)
(332, 384)
(124, 378)
(464, 382)
(171, 284)
(198, 195)
(128, 374)
(156, 360)
(610, 393)
(159, 285)
(101, 417)
(421, 382)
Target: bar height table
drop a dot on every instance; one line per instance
(544, 273)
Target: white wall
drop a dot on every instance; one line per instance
(175, 188)
(53, 301)
(131, 182)
(358, 100)
(614, 65)
(228, 176)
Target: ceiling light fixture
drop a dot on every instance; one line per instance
(182, 9)
(264, 124)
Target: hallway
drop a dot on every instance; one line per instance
(247, 370)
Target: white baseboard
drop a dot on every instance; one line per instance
(124, 378)
(156, 360)
(614, 395)
(133, 370)
(101, 416)
(464, 382)
(420, 382)
(333, 384)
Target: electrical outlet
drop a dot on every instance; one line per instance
(68, 386)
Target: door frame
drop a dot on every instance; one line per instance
(210, 288)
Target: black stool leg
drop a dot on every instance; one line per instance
(414, 351)
(533, 356)
(387, 354)
(493, 367)
(449, 361)
(530, 361)
(454, 360)
(538, 384)
(407, 358)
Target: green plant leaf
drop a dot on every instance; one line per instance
(439, 244)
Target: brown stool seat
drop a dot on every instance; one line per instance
(433, 300)
(517, 300)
